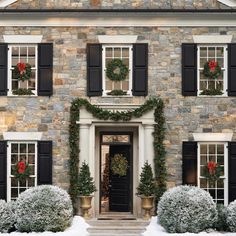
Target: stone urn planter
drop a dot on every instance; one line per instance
(85, 205)
(85, 189)
(146, 190)
(147, 205)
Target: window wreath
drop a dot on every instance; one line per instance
(21, 170)
(22, 71)
(212, 70)
(116, 70)
(212, 171)
(119, 165)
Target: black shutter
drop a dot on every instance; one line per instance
(45, 69)
(232, 69)
(3, 69)
(189, 69)
(140, 69)
(190, 163)
(232, 171)
(3, 170)
(94, 70)
(44, 162)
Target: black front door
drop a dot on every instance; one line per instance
(120, 186)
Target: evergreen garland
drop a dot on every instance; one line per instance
(158, 143)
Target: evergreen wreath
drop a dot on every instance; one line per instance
(212, 69)
(212, 171)
(119, 165)
(158, 142)
(22, 71)
(21, 170)
(116, 70)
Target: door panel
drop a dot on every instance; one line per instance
(119, 188)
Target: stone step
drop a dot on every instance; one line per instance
(114, 229)
(124, 223)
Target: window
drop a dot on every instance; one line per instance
(22, 53)
(213, 152)
(26, 152)
(123, 52)
(216, 53)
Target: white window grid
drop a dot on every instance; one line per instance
(11, 67)
(224, 178)
(224, 68)
(130, 57)
(20, 188)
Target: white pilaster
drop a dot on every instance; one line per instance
(148, 144)
(84, 143)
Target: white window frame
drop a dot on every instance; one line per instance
(9, 164)
(226, 193)
(225, 72)
(10, 46)
(130, 46)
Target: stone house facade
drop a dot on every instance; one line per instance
(164, 45)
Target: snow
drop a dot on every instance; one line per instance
(155, 229)
(78, 227)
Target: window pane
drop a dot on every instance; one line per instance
(203, 52)
(203, 160)
(14, 159)
(203, 183)
(14, 182)
(14, 192)
(14, 148)
(220, 149)
(108, 52)
(125, 52)
(220, 62)
(31, 148)
(220, 194)
(220, 52)
(117, 52)
(211, 52)
(220, 183)
(212, 149)
(203, 149)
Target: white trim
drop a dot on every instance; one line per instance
(225, 177)
(18, 136)
(213, 137)
(224, 70)
(9, 166)
(230, 3)
(212, 39)
(127, 39)
(5, 3)
(22, 39)
(120, 20)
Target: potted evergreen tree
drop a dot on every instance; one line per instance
(86, 188)
(146, 189)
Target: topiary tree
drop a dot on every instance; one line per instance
(86, 185)
(7, 217)
(43, 208)
(231, 216)
(146, 186)
(187, 209)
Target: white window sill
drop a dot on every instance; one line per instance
(117, 96)
(212, 96)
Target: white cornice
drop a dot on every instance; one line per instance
(17, 136)
(22, 38)
(212, 39)
(119, 20)
(212, 137)
(5, 3)
(230, 3)
(117, 38)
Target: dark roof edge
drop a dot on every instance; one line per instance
(61, 10)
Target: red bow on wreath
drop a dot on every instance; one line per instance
(211, 167)
(21, 167)
(212, 64)
(21, 67)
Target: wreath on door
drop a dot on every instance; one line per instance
(119, 165)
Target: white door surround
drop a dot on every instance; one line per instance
(142, 129)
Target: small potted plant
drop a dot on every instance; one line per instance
(86, 188)
(146, 189)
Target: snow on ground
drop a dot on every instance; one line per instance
(155, 229)
(78, 228)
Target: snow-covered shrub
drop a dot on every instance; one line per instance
(231, 216)
(43, 208)
(186, 209)
(221, 224)
(7, 217)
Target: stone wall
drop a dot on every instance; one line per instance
(191, 4)
(184, 115)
